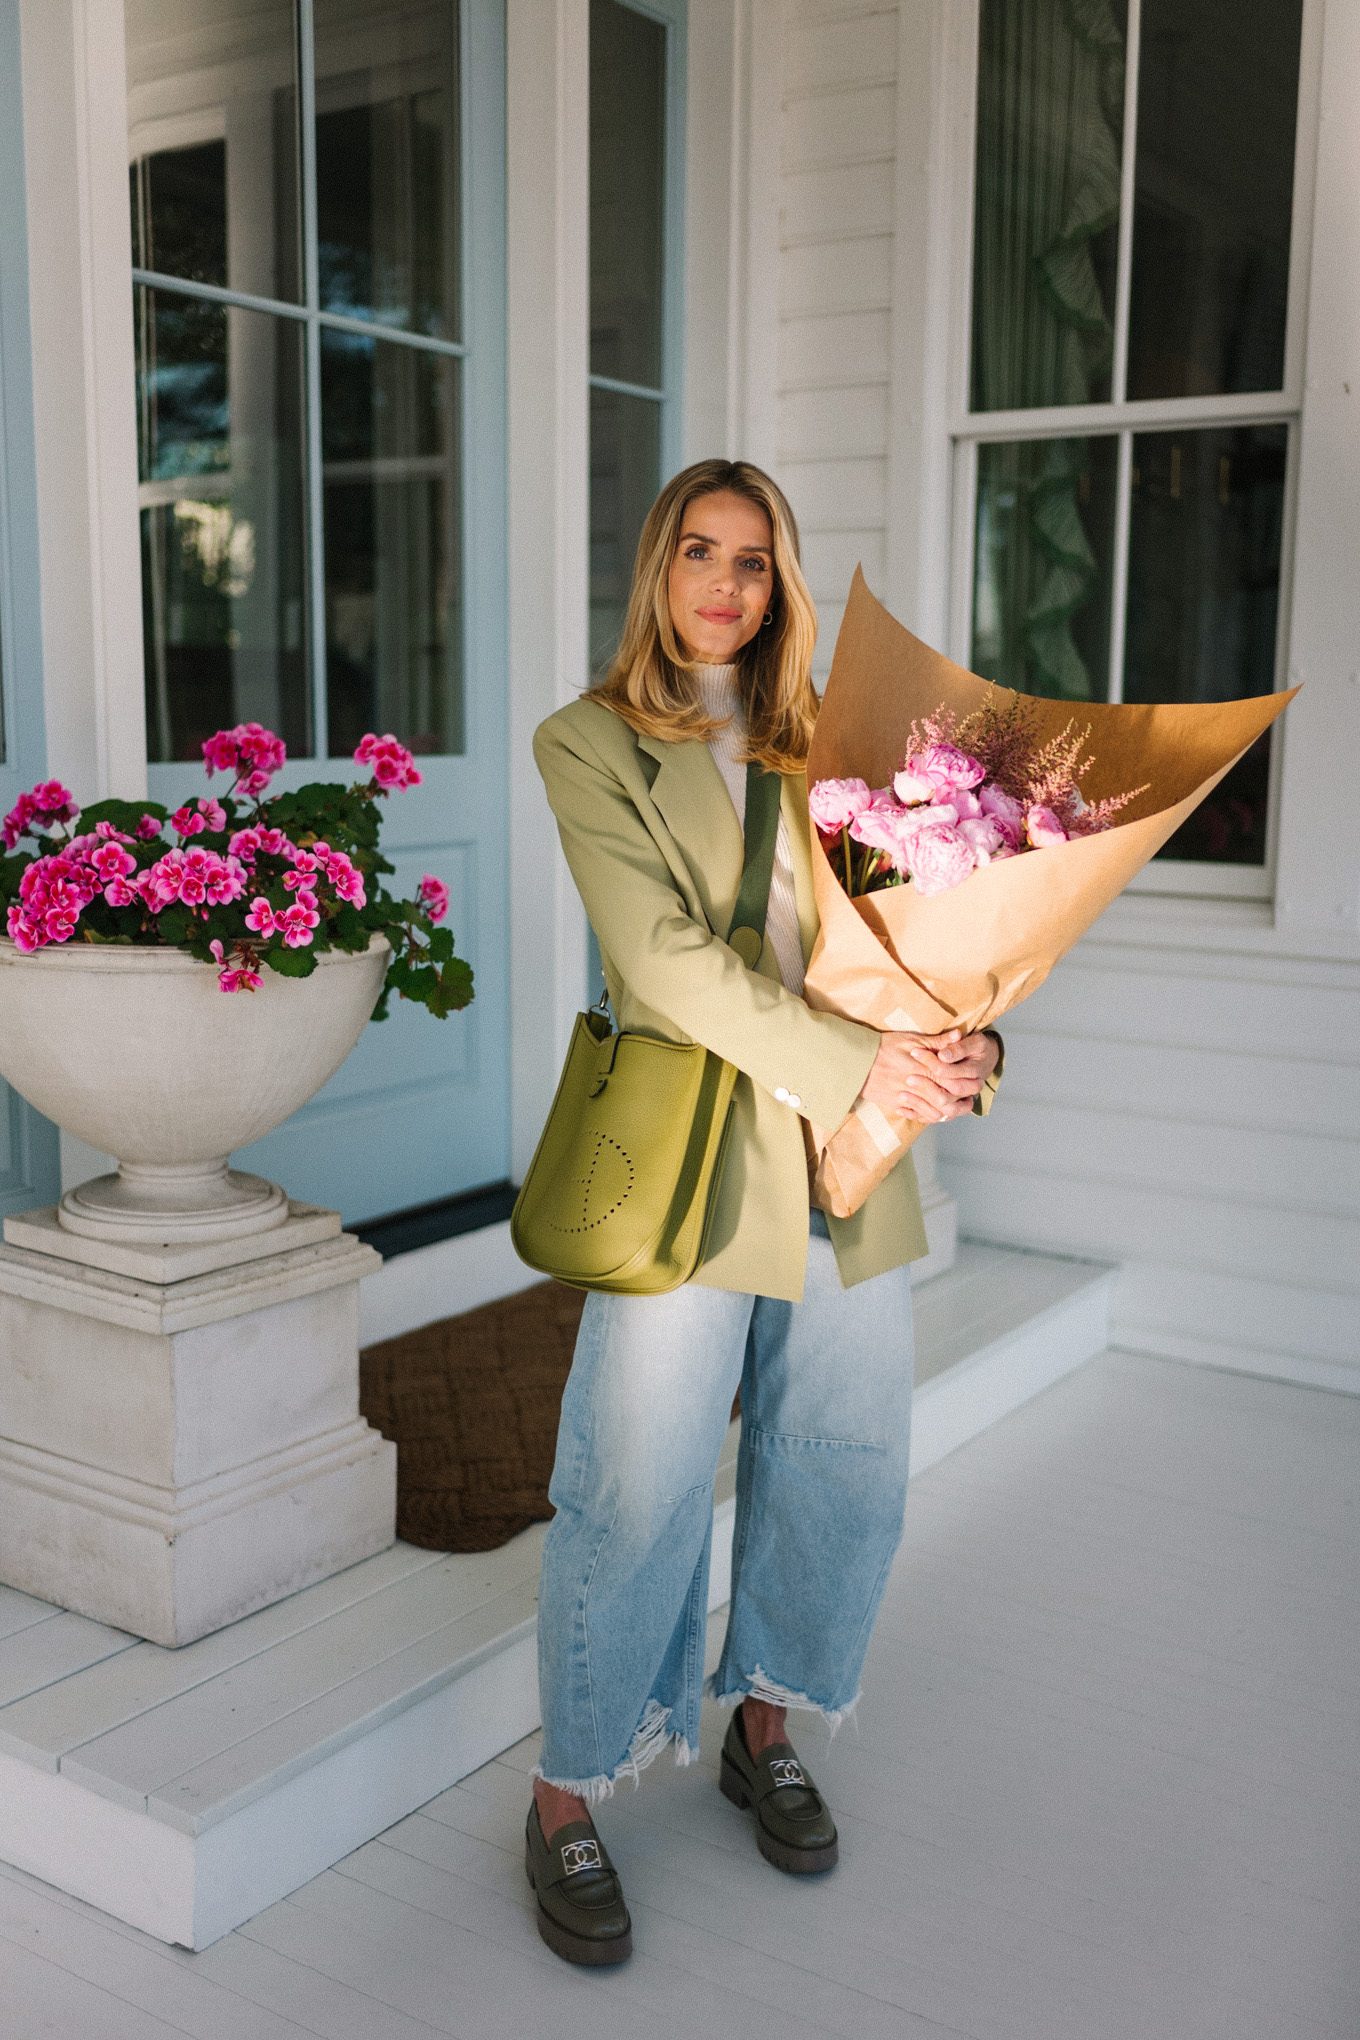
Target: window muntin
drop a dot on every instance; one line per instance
(297, 241)
(635, 69)
(1157, 352)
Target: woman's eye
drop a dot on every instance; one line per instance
(755, 566)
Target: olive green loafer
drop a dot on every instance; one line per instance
(581, 1913)
(794, 1828)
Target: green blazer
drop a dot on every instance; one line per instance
(656, 849)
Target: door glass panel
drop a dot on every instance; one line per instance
(392, 496)
(627, 192)
(1050, 128)
(1217, 94)
(219, 429)
(625, 474)
(212, 132)
(387, 198)
(1045, 543)
(1204, 590)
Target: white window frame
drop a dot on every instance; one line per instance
(968, 429)
(670, 15)
(481, 391)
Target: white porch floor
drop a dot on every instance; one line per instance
(1104, 1785)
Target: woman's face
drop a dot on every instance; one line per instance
(721, 580)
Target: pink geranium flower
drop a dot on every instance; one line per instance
(393, 765)
(260, 918)
(253, 753)
(433, 895)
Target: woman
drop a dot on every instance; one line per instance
(809, 1316)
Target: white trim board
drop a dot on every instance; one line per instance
(184, 1791)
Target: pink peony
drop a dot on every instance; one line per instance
(985, 838)
(433, 895)
(939, 858)
(1043, 828)
(881, 825)
(834, 803)
(393, 765)
(1006, 811)
(936, 770)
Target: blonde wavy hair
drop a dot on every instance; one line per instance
(648, 682)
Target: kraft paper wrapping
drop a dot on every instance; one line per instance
(901, 961)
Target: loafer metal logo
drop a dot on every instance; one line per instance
(580, 1856)
(785, 1771)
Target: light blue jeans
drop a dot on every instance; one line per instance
(821, 1486)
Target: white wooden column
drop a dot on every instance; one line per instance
(548, 305)
(80, 295)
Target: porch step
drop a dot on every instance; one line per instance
(185, 1790)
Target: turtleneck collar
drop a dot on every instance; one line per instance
(717, 687)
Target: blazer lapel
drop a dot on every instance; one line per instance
(692, 798)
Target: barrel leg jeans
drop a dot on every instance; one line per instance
(821, 1487)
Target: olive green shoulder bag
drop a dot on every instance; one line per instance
(620, 1188)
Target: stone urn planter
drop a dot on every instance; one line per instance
(136, 1050)
(180, 1437)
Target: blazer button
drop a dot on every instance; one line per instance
(794, 1101)
(781, 1094)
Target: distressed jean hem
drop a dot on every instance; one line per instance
(651, 1736)
(760, 1687)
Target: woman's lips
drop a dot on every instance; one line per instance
(721, 615)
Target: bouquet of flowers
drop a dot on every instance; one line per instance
(926, 785)
(970, 791)
(244, 883)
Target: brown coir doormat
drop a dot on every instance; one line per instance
(472, 1405)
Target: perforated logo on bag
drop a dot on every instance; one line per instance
(580, 1856)
(606, 1185)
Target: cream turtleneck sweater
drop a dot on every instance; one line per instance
(717, 686)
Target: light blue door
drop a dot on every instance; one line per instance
(28, 1143)
(318, 247)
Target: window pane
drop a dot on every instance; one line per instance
(1217, 95)
(1045, 540)
(219, 426)
(1204, 586)
(387, 195)
(212, 133)
(392, 505)
(625, 474)
(1050, 123)
(627, 192)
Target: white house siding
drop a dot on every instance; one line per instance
(1183, 1096)
(837, 155)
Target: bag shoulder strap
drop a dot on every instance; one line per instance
(747, 932)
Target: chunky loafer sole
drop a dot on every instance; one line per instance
(596, 1951)
(784, 1855)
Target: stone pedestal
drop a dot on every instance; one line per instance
(180, 1441)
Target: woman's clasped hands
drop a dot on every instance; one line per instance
(934, 1077)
